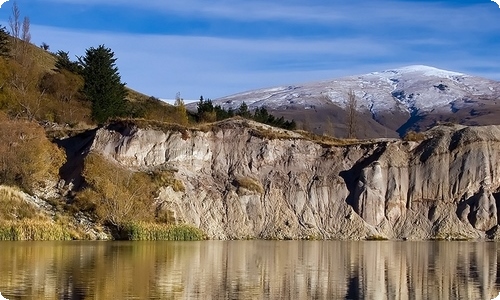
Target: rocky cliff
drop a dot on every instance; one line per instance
(246, 180)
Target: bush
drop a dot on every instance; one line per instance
(27, 157)
(249, 184)
(414, 136)
(116, 195)
(166, 178)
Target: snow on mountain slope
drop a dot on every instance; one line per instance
(409, 89)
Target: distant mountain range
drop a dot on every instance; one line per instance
(389, 103)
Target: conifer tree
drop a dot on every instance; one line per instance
(243, 111)
(103, 86)
(63, 62)
(4, 42)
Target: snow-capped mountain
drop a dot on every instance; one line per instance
(395, 99)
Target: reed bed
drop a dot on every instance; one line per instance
(146, 231)
(33, 230)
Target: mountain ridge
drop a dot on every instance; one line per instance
(412, 97)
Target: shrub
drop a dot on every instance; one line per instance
(376, 238)
(414, 136)
(27, 157)
(166, 178)
(117, 195)
(249, 184)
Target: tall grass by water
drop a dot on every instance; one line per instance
(146, 231)
(32, 230)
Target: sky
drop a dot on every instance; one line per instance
(221, 47)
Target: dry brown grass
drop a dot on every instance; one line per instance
(167, 178)
(13, 206)
(414, 136)
(151, 124)
(117, 195)
(250, 184)
(21, 220)
(27, 157)
(33, 230)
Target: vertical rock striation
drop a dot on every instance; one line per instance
(246, 180)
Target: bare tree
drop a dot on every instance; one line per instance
(181, 110)
(330, 128)
(14, 21)
(352, 115)
(15, 28)
(25, 34)
(24, 78)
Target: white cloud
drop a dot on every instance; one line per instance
(157, 63)
(389, 12)
(161, 65)
(1, 3)
(373, 36)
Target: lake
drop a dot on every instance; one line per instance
(249, 270)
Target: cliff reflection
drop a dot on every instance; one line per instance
(249, 270)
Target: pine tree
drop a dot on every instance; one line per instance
(63, 62)
(4, 42)
(103, 86)
(243, 111)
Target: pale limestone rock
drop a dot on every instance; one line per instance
(442, 187)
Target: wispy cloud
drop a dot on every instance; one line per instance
(228, 46)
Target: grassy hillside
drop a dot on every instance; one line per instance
(33, 88)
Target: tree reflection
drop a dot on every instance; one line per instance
(249, 270)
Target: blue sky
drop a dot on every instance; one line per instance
(221, 47)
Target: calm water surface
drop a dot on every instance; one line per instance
(249, 270)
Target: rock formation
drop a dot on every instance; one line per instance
(247, 180)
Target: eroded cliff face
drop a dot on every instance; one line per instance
(245, 180)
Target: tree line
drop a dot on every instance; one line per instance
(207, 112)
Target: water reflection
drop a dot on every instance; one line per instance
(249, 270)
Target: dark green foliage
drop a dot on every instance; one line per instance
(205, 105)
(4, 42)
(223, 114)
(261, 115)
(45, 46)
(243, 111)
(103, 86)
(207, 112)
(64, 63)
